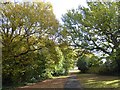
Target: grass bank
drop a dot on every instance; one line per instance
(98, 81)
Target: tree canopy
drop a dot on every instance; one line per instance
(95, 28)
(29, 51)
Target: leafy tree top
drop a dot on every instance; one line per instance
(95, 28)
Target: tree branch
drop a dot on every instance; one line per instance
(26, 52)
(100, 48)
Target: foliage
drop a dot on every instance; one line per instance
(69, 57)
(88, 61)
(108, 68)
(94, 70)
(95, 28)
(28, 52)
(82, 64)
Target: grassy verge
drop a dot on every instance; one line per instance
(56, 77)
(98, 81)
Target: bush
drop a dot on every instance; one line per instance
(108, 69)
(94, 70)
(82, 65)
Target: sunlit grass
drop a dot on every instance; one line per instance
(97, 81)
(55, 77)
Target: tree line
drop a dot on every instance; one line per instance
(29, 50)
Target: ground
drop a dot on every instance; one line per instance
(56, 82)
(98, 81)
(77, 80)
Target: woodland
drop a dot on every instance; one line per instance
(36, 46)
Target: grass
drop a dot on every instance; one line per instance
(56, 77)
(98, 81)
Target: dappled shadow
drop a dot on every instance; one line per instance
(96, 81)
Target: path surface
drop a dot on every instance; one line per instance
(72, 82)
(69, 82)
(50, 83)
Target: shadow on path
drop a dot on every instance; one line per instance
(72, 83)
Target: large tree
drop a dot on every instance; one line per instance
(95, 28)
(23, 28)
(27, 23)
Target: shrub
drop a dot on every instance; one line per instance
(94, 70)
(82, 65)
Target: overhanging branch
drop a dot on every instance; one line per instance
(26, 52)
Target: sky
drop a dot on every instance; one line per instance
(60, 7)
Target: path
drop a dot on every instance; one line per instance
(66, 83)
(72, 82)
(49, 83)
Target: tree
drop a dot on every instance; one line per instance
(87, 61)
(23, 27)
(82, 63)
(95, 28)
(69, 56)
(27, 23)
